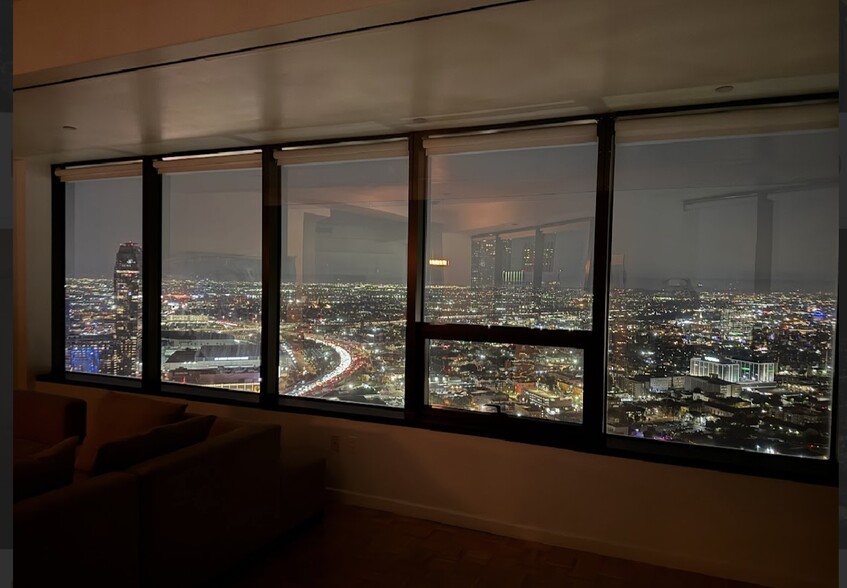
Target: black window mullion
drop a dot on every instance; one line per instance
(57, 298)
(416, 353)
(271, 275)
(594, 399)
(151, 276)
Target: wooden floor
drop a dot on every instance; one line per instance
(355, 547)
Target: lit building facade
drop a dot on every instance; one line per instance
(708, 366)
(127, 288)
(756, 371)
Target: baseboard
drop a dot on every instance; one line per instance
(681, 561)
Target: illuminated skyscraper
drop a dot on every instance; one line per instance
(549, 251)
(483, 254)
(127, 282)
(528, 258)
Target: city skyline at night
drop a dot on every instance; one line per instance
(721, 285)
(347, 342)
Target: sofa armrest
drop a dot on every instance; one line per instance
(205, 507)
(88, 530)
(47, 418)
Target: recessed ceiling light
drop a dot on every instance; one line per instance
(69, 127)
(420, 120)
(724, 89)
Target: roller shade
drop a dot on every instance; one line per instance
(99, 172)
(522, 139)
(338, 153)
(209, 163)
(736, 122)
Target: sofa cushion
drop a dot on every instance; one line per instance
(44, 471)
(123, 453)
(117, 416)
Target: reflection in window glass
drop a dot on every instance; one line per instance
(103, 277)
(212, 278)
(518, 380)
(343, 292)
(509, 237)
(723, 275)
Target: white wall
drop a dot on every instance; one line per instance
(38, 240)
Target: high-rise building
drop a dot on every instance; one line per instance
(502, 259)
(483, 256)
(528, 258)
(549, 251)
(127, 283)
(89, 354)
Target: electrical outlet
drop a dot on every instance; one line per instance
(335, 443)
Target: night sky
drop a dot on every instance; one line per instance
(711, 243)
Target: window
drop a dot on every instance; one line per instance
(510, 228)
(103, 260)
(343, 276)
(712, 343)
(211, 274)
(723, 275)
(509, 244)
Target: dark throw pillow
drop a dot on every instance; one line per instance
(119, 416)
(123, 453)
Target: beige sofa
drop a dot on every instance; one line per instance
(175, 520)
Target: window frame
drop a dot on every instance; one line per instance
(590, 436)
(592, 343)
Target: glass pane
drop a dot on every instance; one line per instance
(212, 278)
(343, 296)
(519, 380)
(510, 237)
(723, 291)
(103, 277)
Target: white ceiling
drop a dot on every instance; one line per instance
(517, 62)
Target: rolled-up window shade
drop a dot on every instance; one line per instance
(521, 139)
(209, 163)
(735, 122)
(99, 172)
(338, 153)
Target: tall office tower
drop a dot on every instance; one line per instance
(528, 258)
(127, 281)
(549, 251)
(483, 257)
(502, 260)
